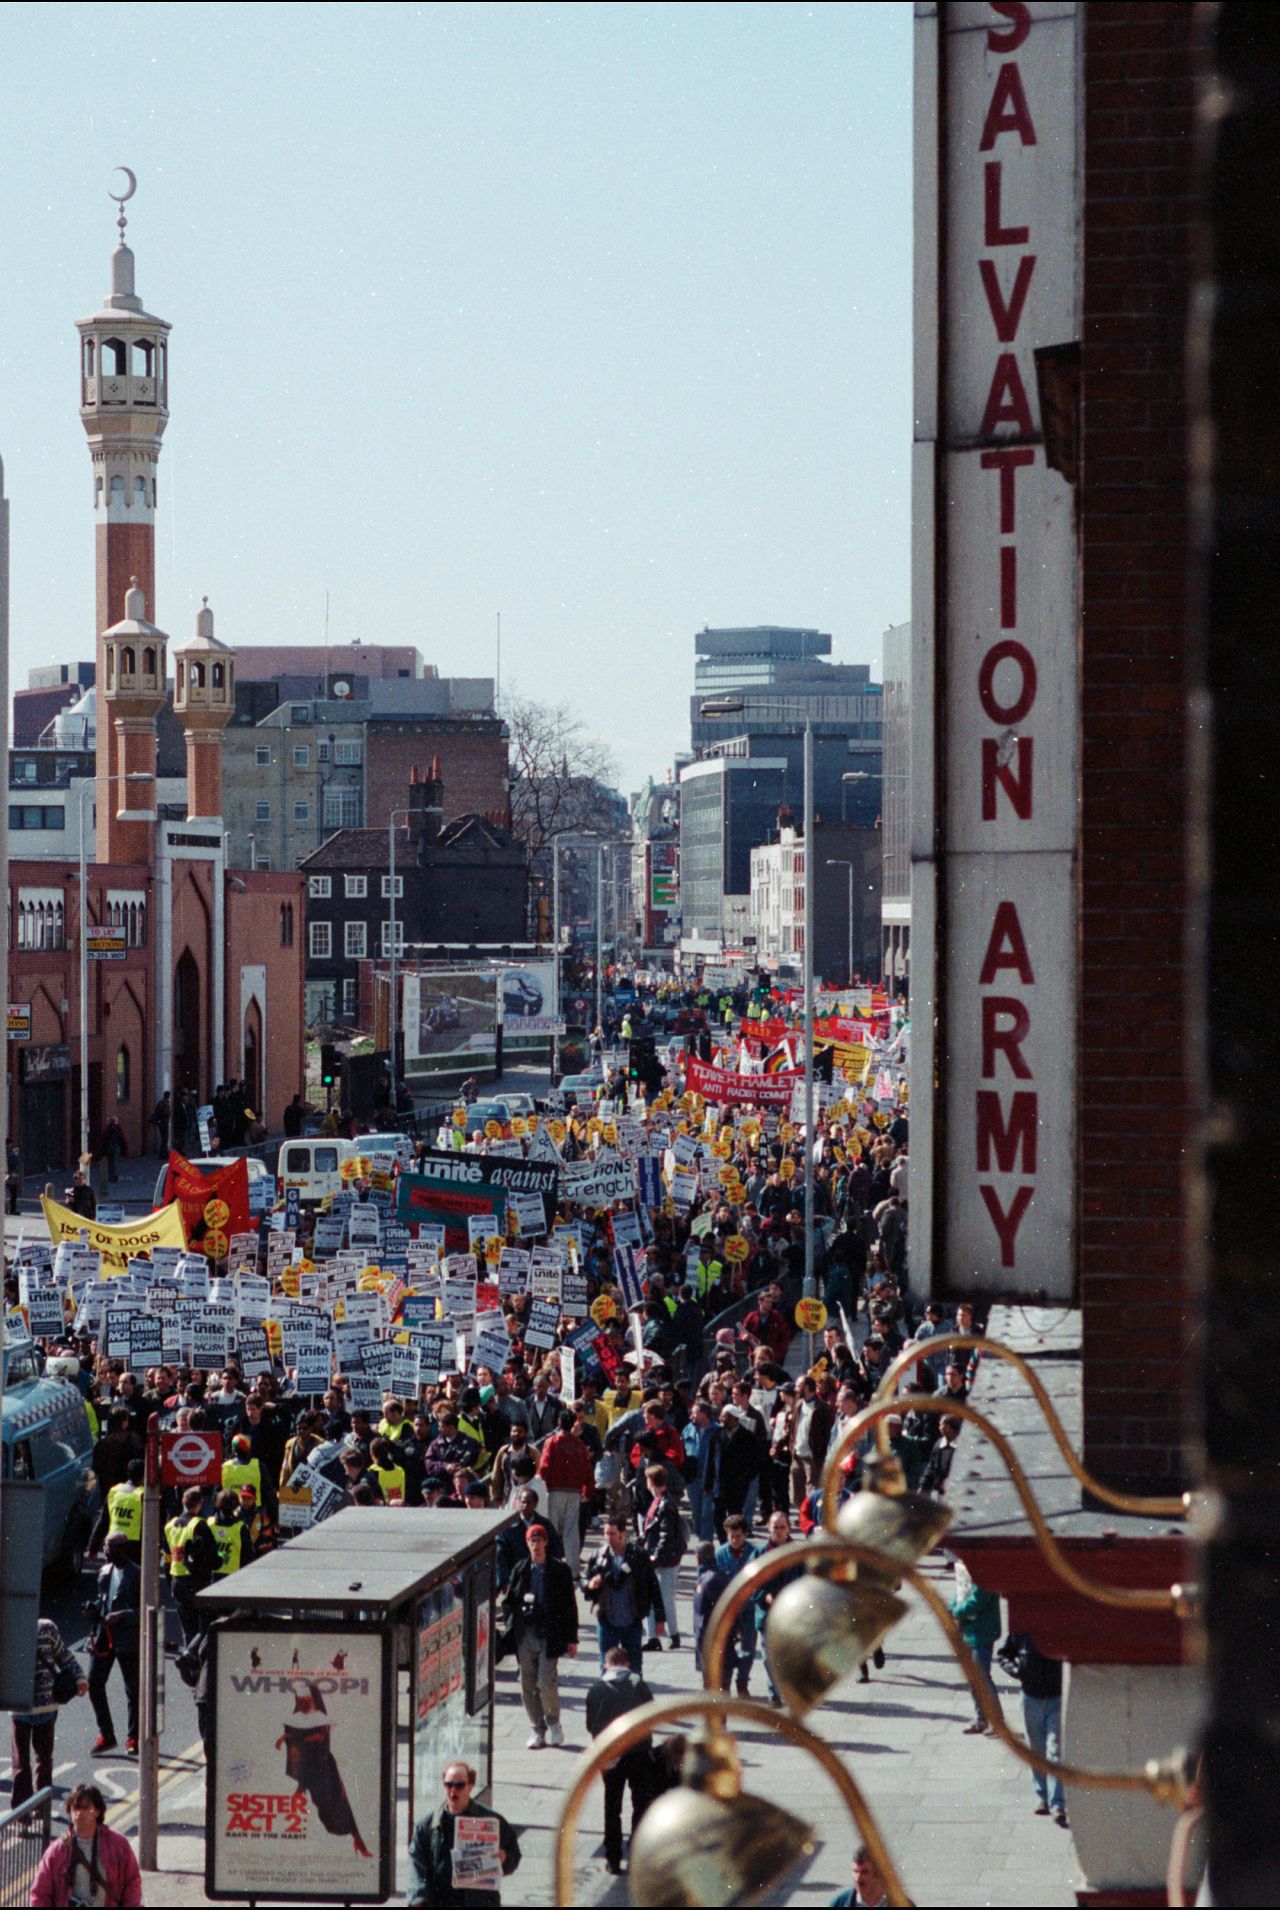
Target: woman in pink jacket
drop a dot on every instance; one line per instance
(89, 1859)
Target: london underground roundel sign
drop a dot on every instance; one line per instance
(190, 1459)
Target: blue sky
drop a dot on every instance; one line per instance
(598, 316)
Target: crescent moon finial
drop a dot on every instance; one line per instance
(121, 197)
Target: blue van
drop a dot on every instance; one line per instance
(45, 1437)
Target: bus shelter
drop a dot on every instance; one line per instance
(304, 1695)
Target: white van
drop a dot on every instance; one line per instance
(314, 1166)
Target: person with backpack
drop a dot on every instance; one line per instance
(92, 1863)
(191, 1559)
(615, 1692)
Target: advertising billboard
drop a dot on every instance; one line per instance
(528, 1002)
(299, 1776)
(450, 1020)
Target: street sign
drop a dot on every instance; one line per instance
(190, 1459)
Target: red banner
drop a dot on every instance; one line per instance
(727, 1090)
(214, 1206)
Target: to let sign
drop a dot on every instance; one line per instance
(995, 633)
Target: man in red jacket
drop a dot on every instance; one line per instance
(667, 1447)
(566, 1469)
(768, 1324)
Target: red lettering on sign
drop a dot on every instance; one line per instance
(1006, 317)
(1009, 1138)
(1013, 776)
(1007, 401)
(1006, 948)
(1007, 39)
(993, 233)
(1006, 1225)
(1008, 111)
(1010, 651)
(1009, 587)
(1004, 1040)
(1007, 461)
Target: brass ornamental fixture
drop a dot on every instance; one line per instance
(708, 1842)
(1151, 1508)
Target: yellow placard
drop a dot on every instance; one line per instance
(217, 1214)
(493, 1130)
(275, 1338)
(493, 1249)
(557, 1131)
(787, 1168)
(215, 1244)
(603, 1309)
(786, 1132)
(520, 1126)
(811, 1316)
(350, 1168)
(721, 1150)
(737, 1247)
(117, 1245)
(459, 1117)
(291, 1282)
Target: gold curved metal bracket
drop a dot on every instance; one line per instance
(1152, 1508)
(1165, 1781)
(636, 1725)
(1123, 1597)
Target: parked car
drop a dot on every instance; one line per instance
(580, 1087)
(480, 1113)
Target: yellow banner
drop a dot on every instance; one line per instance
(116, 1244)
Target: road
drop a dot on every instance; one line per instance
(116, 1775)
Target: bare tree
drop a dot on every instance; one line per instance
(560, 775)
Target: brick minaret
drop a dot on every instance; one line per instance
(124, 398)
(131, 691)
(204, 698)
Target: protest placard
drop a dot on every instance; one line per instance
(513, 1271)
(540, 1328)
(146, 1342)
(314, 1364)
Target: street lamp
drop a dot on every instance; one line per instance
(851, 776)
(842, 862)
(563, 835)
(90, 785)
(734, 706)
(391, 924)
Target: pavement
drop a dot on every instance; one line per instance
(957, 1811)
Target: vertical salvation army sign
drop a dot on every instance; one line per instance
(997, 121)
(300, 1778)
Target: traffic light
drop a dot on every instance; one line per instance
(328, 1064)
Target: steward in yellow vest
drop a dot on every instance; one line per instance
(231, 1536)
(124, 1510)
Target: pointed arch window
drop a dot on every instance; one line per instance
(149, 661)
(128, 661)
(122, 1074)
(115, 357)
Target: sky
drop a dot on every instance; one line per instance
(597, 317)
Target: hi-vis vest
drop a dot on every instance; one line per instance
(230, 1541)
(235, 1475)
(177, 1536)
(387, 1431)
(710, 1273)
(124, 1504)
(390, 1480)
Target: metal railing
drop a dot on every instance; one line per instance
(25, 1835)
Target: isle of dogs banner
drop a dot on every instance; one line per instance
(724, 1089)
(457, 1186)
(117, 1244)
(299, 1784)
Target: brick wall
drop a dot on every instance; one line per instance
(473, 767)
(1135, 1095)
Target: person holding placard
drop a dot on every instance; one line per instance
(460, 1852)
